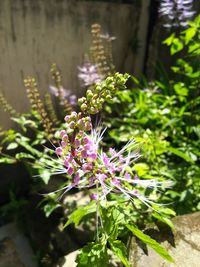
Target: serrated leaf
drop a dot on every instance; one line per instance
(150, 242)
(120, 251)
(78, 214)
(93, 255)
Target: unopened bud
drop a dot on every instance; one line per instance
(89, 94)
(67, 118)
(83, 107)
(72, 125)
(73, 115)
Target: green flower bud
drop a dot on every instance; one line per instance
(92, 110)
(80, 124)
(95, 96)
(84, 107)
(108, 97)
(98, 88)
(81, 100)
(89, 94)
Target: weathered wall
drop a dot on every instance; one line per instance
(34, 34)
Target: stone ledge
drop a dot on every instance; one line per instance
(183, 244)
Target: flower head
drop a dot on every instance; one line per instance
(176, 12)
(87, 166)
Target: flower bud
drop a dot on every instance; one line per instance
(73, 115)
(88, 126)
(81, 124)
(108, 97)
(66, 163)
(87, 166)
(84, 107)
(62, 133)
(76, 179)
(86, 140)
(81, 100)
(67, 118)
(65, 138)
(63, 144)
(70, 171)
(84, 154)
(77, 143)
(58, 151)
(72, 125)
(89, 94)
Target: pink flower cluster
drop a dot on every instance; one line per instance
(80, 154)
(89, 167)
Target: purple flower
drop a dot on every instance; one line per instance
(88, 74)
(65, 93)
(176, 12)
(72, 100)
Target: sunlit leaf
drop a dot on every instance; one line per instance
(150, 242)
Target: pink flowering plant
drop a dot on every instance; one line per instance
(114, 190)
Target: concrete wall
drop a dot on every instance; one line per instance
(36, 33)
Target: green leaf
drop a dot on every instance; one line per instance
(163, 219)
(120, 251)
(150, 242)
(180, 154)
(189, 34)
(164, 210)
(180, 89)
(24, 142)
(49, 208)
(118, 215)
(93, 255)
(169, 40)
(141, 168)
(176, 46)
(12, 146)
(78, 214)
